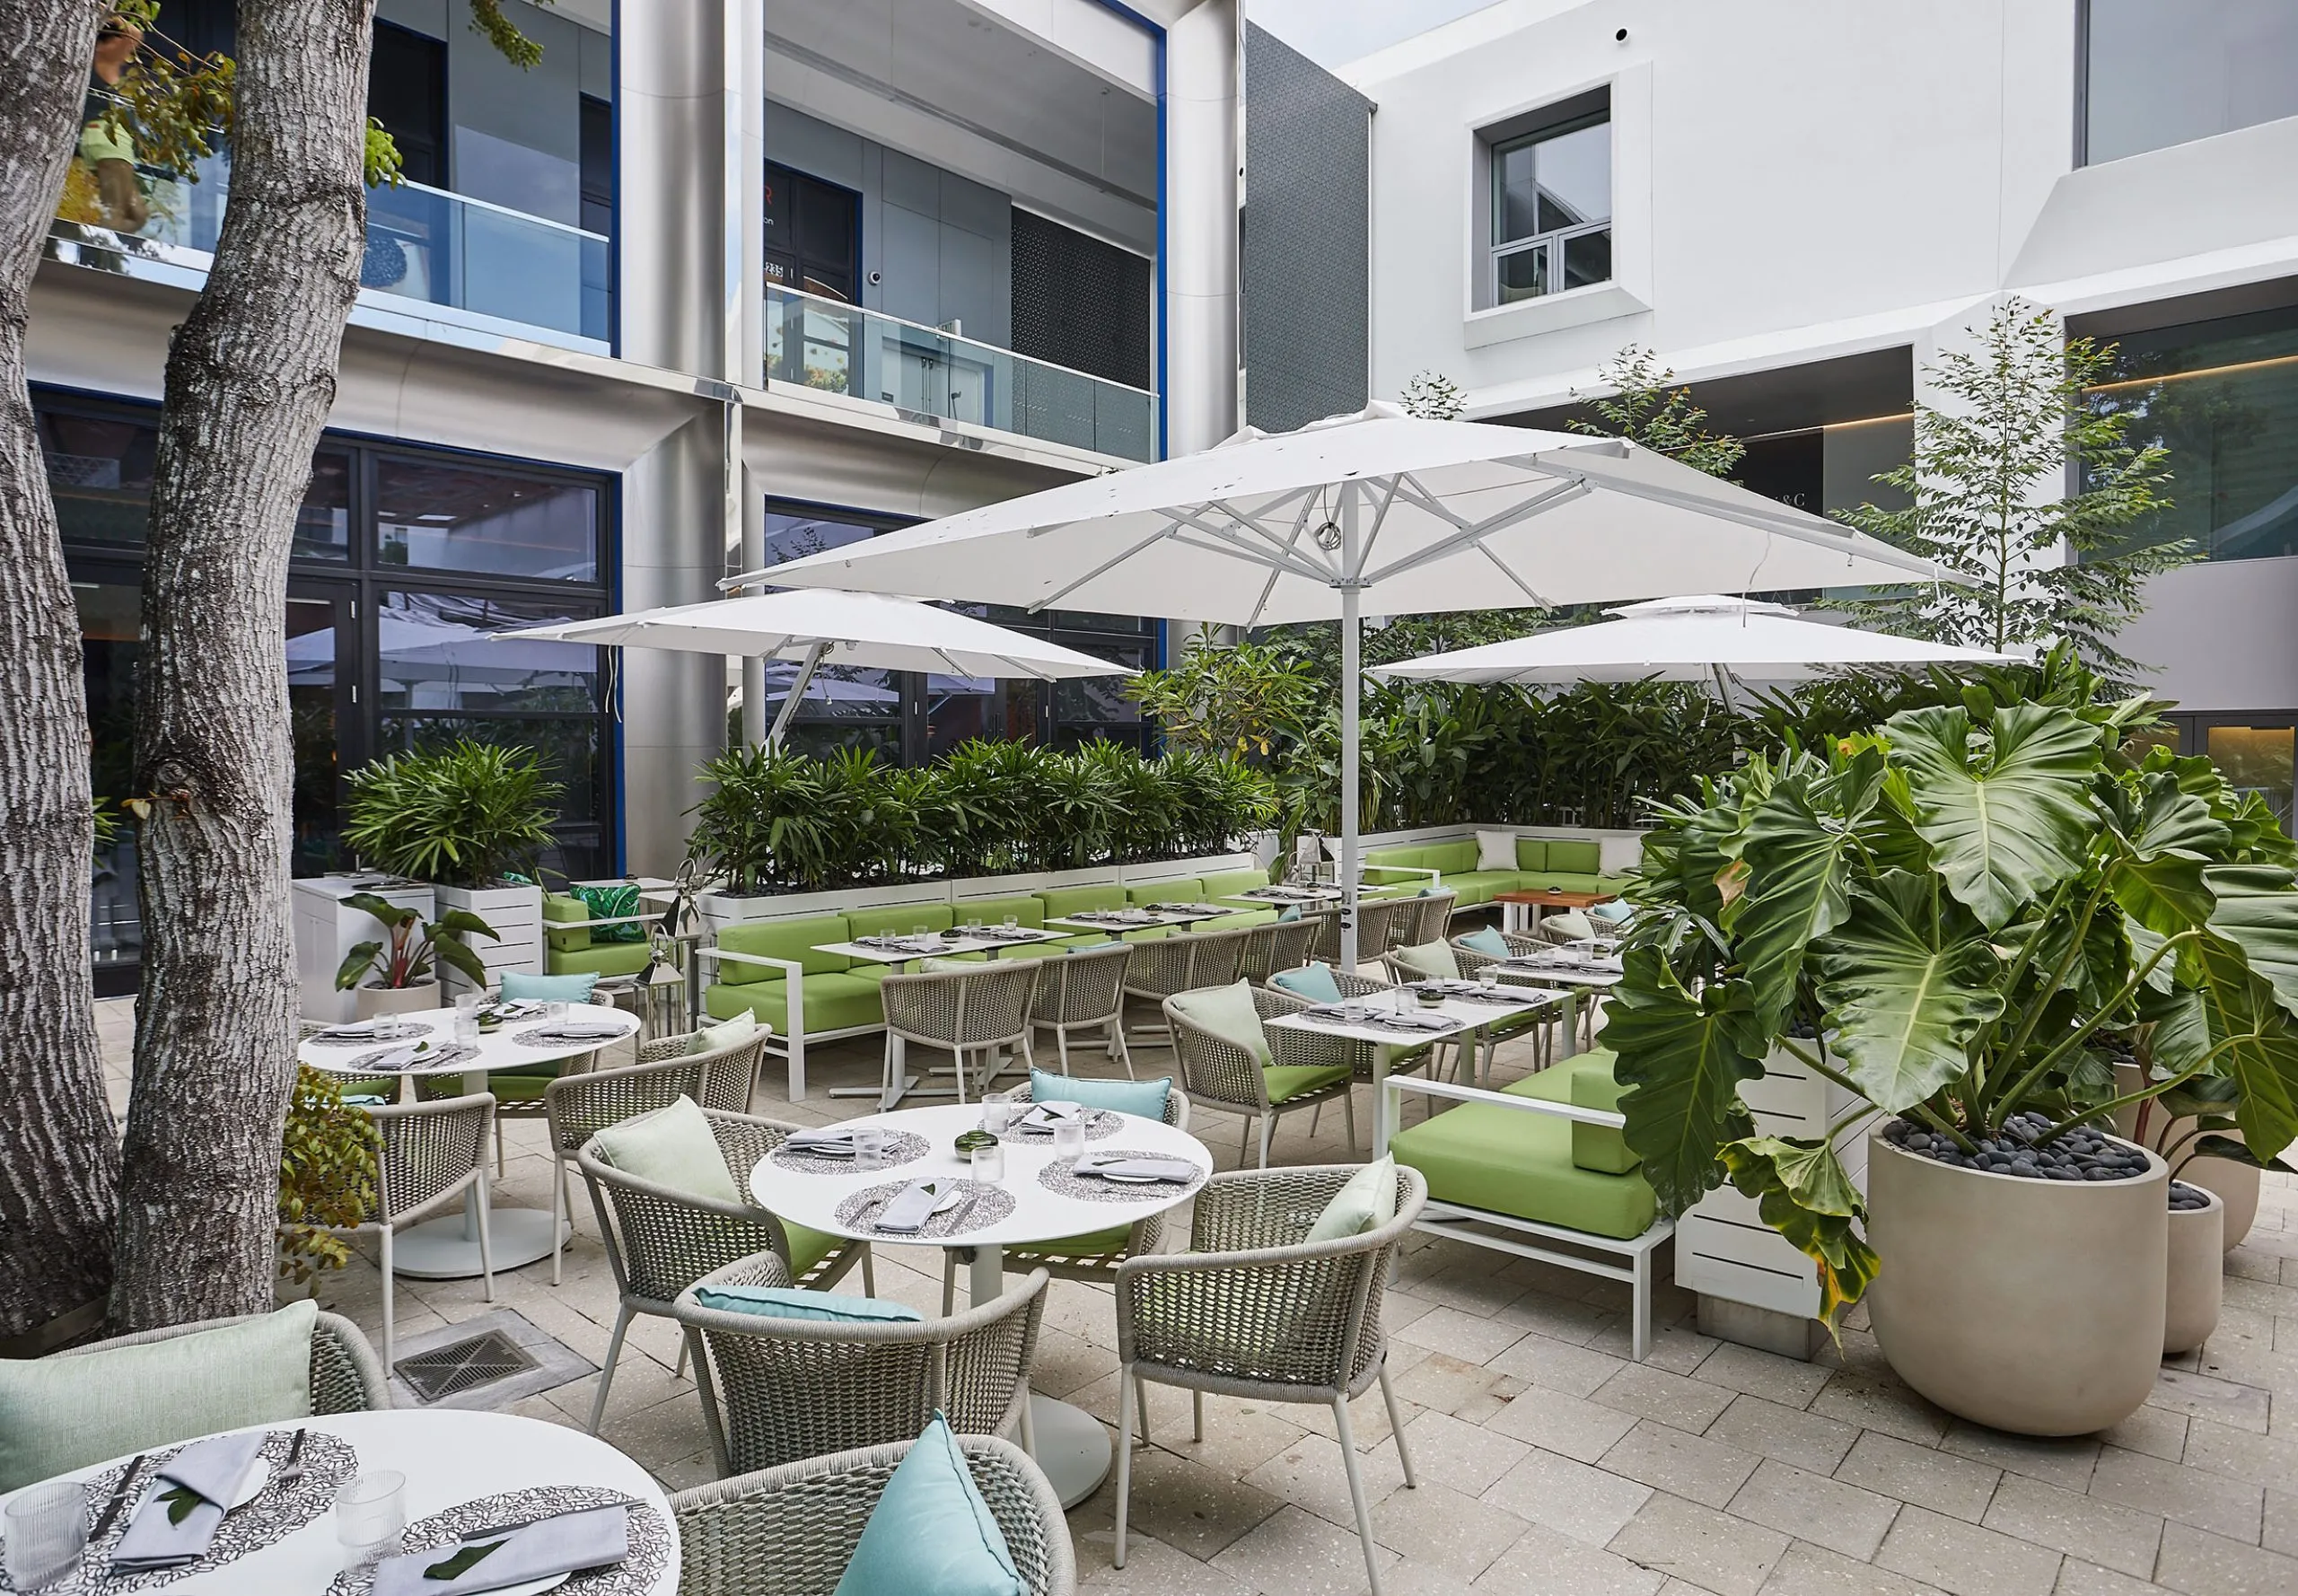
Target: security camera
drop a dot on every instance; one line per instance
(1621, 37)
(876, 279)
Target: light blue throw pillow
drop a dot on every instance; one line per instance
(1615, 913)
(1290, 912)
(1486, 940)
(519, 986)
(1144, 1098)
(773, 1302)
(931, 1532)
(1311, 981)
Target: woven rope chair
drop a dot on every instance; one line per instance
(1083, 991)
(431, 1153)
(581, 1105)
(1256, 1310)
(1324, 941)
(1569, 1004)
(1216, 1071)
(1434, 920)
(1359, 1056)
(1378, 927)
(792, 1531)
(520, 1093)
(774, 1391)
(660, 1241)
(1284, 945)
(345, 1375)
(977, 1012)
(1182, 962)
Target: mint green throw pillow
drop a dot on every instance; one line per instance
(519, 986)
(1486, 940)
(1291, 911)
(1144, 1098)
(671, 1147)
(1366, 1203)
(773, 1302)
(61, 1413)
(1311, 981)
(931, 1533)
(1228, 1013)
(1431, 959)
(1616, 912)
(709, 1039)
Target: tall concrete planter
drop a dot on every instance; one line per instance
(2032, 1306)
(2195, 1283)
(375, 1001)
(2234, 1184)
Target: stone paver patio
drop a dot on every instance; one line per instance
(1548, 1464)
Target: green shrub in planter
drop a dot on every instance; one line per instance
(465, 815)
(327, 1175)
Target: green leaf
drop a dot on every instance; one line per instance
(455, 953)
(465, 1560)
(1906, 983)
(2234, 1151)
(2008, 823)
(2256, 909)
(1683, 1059)
(1798, 846)
(180, 1501)
(355, 963)
(2258, 1043)
(2167, 837)
(463, 923)
(392, 914)
(1802, 1192)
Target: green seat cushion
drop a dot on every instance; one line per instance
(1312, 981)
(1507, 1161)
(520, 985)
(1581, 855)
(1186, 889)
(1228, 1014)
(1092, 1244)
(1227, 883)
(992, 911)
(781, 1302)
(1453, 858)
(1238, 921)
(1564, 880)
(1289, 1080)
(612, 959)
(1060, 901)
(1531, 853)
(1484, 939)
(526, 1084)
(1366, 1202)
(1479, 886)
(560, 906)
(834, 1002)
(1431, 959)
(610, 902)
(1599, 1147)
(795, 940)
(1144, 1098)
(671, 1147)
(709, 1039)
(58, 1414)
(931, 1532)
(895, 920)
(809, 1248)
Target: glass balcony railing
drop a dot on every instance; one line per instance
(822, 344)
(423, 244)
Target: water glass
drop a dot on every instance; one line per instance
(1069, 1139)
(370, 1516)
(996, 1116)
(47, 1530)
(467, 1020)
(869, 1149)
(1013, 922)
(554, 1012)
(921, 929)
(973, 927)
(989, 1163)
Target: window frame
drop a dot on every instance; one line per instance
(1557, 118)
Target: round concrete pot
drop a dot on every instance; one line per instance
(373, 1001)
(2196, 1275)
(2032, 1306)
(2236, 1184)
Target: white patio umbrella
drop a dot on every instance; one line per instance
(810, 629)
(1704, 637)
(1375, 512)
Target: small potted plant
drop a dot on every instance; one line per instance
(396, 973)
(2193, 1125)
(326, 1179)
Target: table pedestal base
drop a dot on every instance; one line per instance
(448, 1249)
(1072, 1448)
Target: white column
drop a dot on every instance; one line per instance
(1198, 315)
(1351, 739)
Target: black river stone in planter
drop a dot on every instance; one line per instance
(2081, 1154)
(2185, 1197)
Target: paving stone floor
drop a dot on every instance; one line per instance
(1548, 1464)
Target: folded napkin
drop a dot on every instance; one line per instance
(822, 1143)
(590, 1538)
(1046, 1116)
(185, 1504)
(1397, 1021)
(907, 1213)
(579, 1033)
(1178, 1170)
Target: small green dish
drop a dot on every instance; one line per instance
(968, 1142)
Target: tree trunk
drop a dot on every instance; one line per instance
(57, 1164)
(250, 378)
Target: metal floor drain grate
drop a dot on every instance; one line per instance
(463, 1365)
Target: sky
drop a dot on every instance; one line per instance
(1332, 31)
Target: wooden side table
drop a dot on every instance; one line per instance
(1522, 911)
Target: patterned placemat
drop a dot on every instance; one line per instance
(990, 1206)
(1060, 1178)
(383, 1030)
(550, 1036)
(1099, 1124)
(275, 1514)
(635, 1576)
(431, 1059)
(902, 1147)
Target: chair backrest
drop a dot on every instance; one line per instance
(780, 1389)
(1291, 942)
(972, 1008)
(802, 1520)
(1435, 917)
(1218, 1070)
(730, 1071)
(1216, 957)
(429, 1149)
(660, 1241)
(1075, 988)
(346, 1376)
(582, 1106)
(1260, 951)
(1376, 925)
(1324, 941)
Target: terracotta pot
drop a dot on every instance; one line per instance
(2236, 1184)
(2032, 1306)
(396, 999)
(2197, 1275)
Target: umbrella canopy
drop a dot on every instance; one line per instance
(1376, 511)
(1686, 639)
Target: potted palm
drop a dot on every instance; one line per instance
(472, 818)
(396, 973)
(1957, 908)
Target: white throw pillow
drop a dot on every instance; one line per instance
(1496, 850)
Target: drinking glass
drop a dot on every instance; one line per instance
(48, 1529)
(920, 929)
(555, 1013)
(989, 1163)
(1013, 922)
(370, 1516)
(996, 1116)
(1069, 1139)
(869, 1149)
(467, 1020)
(973, 927)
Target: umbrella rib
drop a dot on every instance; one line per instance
(1849, 541)
(1102, 569)
(1509, 572)
(1564, 492)
(1289, 558)
(1268, 588)
(1364, 549)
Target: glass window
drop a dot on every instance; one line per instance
(2158, 74)
(2223, 397)
(2260, 760)
(959, 709)
(440, 517)
(99, 472)
(1551, 209)
(323, 521)
(433, 652)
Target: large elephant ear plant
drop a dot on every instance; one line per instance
(1953, 916)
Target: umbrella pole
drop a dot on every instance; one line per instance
(798, 686)
(1351, 742)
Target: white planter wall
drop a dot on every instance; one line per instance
(720, 910)
(516, 914)
(327, 930)
(1723, 1249)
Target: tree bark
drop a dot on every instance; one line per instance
(250, 378)
(57, 1163)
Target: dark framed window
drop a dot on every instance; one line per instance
(1550, 201)
(813, 234)
(2149, 75)
(407, 93)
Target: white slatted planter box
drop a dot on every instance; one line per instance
(516, 914)
(720, 910)
(326, 929)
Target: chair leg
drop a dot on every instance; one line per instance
(1061, 1045)
(678, 1369)
(1029, 1429)
(1141, 1403)
(1268, 1128)
(1197, 1415)
(1395, 1428)
(387, 1303)
(606, 1370)
(869, 1271)
(1119, 1050)
(1356, 1493)
(1640, 1307)
(948, 1281)
(501, 1169)
(1348, 1116)
(1126, 1385)
(486, 1225)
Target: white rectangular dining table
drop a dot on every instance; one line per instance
(1467, 1015)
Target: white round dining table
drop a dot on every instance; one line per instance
(1071, 1446)
(450, 1456)
(448, 1249)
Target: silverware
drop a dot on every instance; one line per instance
(118, 1497)
(958, 1220)
(292, 1474)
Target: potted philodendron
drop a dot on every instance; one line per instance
(398, 972)
(1954, 906)
(327, 1181)
(466, 818)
